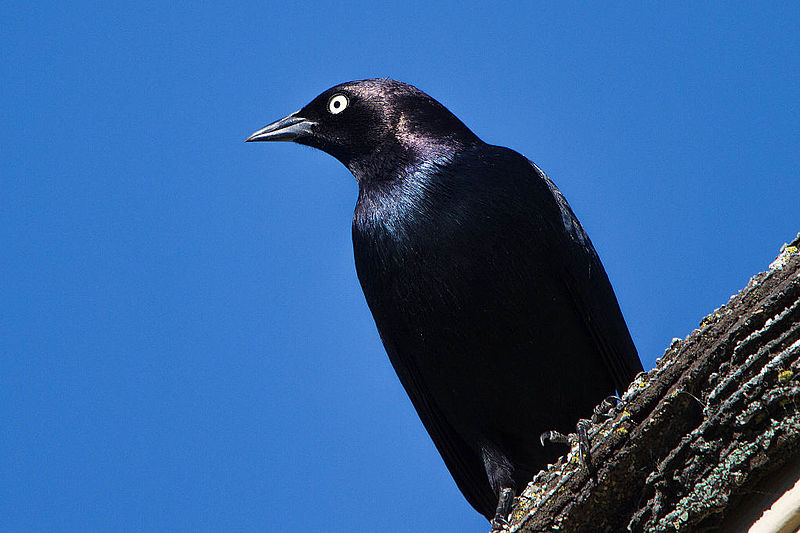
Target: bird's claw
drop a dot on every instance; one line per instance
(579, 438)
(554, 436)
(499, 524)
(605, 409)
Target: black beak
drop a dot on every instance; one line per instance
(286, 129)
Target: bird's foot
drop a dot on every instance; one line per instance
(579, 438)
(500, 520)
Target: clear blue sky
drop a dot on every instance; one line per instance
(184, 343)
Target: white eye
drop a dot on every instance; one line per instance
(337, 103)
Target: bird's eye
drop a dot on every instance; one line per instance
(337, 103)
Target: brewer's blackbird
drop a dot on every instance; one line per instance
(489, 297)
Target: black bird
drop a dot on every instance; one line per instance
(489, 297)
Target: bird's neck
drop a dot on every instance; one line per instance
(406, 159)
(391, 204)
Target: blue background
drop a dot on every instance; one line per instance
(185, 346)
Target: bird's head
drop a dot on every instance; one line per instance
(372, 125)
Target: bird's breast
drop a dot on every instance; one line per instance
(441, 264)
